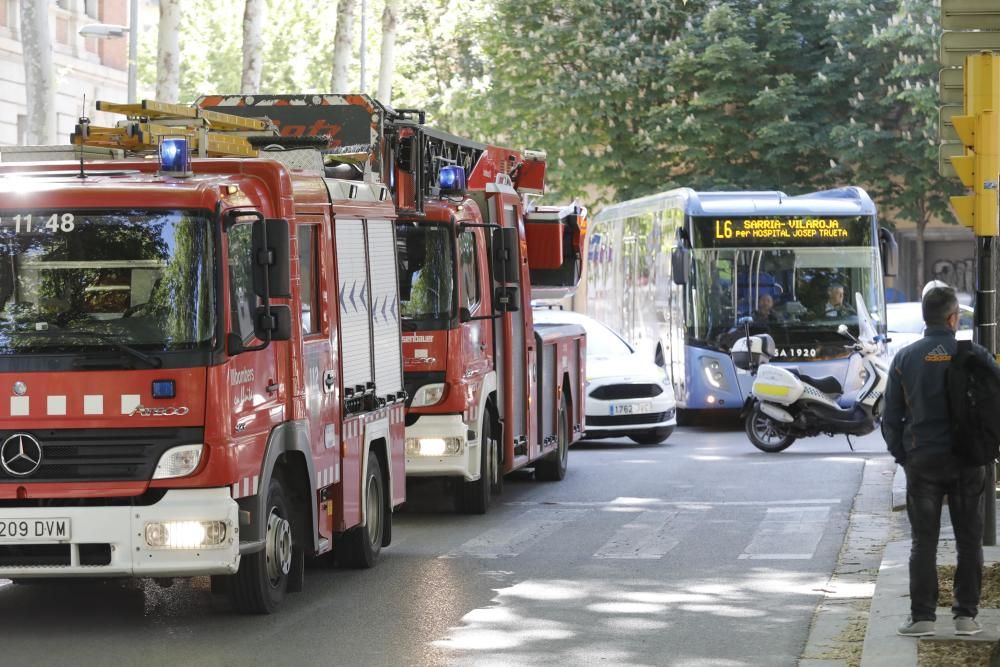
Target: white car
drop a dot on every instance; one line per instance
(905, 324)
(627, 394)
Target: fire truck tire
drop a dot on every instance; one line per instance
(360, 547)
(476, 496)
(552, 468)
(260, 585)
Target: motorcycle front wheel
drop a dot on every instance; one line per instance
(766, 434)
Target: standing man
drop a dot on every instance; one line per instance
(917, 431)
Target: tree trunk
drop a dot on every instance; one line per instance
(918, 269)
(38, 74)
(168, 56)
(387, 59)
(342, 45)
(253, 47)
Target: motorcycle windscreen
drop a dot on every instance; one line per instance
(866, 325)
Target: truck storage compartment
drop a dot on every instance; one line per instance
(555, 240)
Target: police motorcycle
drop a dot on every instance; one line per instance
(786, 404)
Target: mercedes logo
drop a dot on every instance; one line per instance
(21, 455)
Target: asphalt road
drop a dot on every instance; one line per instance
(698, 551)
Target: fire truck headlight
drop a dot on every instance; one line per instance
(185, 534)
(429, 394)
(178, 462)
(433, 446)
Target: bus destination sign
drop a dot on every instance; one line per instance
(781, 230)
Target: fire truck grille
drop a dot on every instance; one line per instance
(108, 455)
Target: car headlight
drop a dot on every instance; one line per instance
(429, 394)
(178, 462)
(434, 446)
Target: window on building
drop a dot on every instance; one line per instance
(92, 9)
(309, 280)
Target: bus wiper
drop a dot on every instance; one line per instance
(151, 361)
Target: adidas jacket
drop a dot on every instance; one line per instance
(916, 409)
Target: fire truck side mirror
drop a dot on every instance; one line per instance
(505, 300)
(504, 242)
(273, 323)
(271, 263)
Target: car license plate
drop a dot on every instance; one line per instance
(34, 530)
(629, 408)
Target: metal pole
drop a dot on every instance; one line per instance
(986, 335)
(364, 39)
(133, 47)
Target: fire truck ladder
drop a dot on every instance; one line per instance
(424, 150)
(209, 133)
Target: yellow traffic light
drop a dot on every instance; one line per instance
(977, 128)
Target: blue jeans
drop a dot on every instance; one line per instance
(928, 481)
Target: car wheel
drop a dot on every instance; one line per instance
(653, 437)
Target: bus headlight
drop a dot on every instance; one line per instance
(429, 394)
(714, 373)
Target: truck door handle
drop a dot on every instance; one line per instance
(329, 379)
(271, 387)
(482, 347)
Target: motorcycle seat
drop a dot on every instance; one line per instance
(827, 384)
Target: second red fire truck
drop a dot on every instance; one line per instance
(488, 392)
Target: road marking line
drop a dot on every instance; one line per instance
(517, 534)
(645, 538)
(788, 533)
(658, 502)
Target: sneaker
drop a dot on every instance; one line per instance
(911, 628)
(966, 625)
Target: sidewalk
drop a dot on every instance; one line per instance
(890, 602)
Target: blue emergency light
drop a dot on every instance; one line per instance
(164, 389)
(174, 156)
(451, 179)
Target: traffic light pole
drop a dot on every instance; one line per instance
(986, 335)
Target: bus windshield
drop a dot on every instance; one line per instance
(799, 295)
(73, 281)
(426, 274)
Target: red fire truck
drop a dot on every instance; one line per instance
(488, 392)
(202, 358)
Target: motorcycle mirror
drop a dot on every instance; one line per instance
(743, 321)
(842, 330)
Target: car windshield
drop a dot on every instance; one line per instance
(602, 342)
(83, 280)
(904, 318)
(426, 272)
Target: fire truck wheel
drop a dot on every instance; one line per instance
(552, 468)
(359, 547)
(260, 585)
(475, 497)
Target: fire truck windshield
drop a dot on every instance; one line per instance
(426, 274)
(74, 280)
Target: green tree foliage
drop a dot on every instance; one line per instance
(634, 97)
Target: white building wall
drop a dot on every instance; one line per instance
(79, 72)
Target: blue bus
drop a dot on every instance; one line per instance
(680, 269)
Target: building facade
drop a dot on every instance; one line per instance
(85, 67)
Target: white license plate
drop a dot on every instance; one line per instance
(34, 530)
(629, 408)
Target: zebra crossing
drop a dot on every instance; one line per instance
(650, 529)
